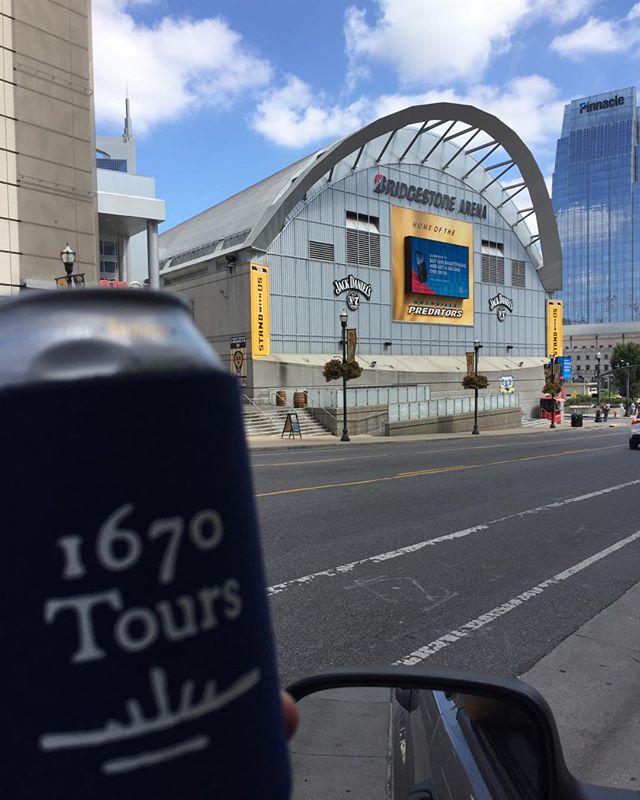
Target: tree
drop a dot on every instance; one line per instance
(629, 353)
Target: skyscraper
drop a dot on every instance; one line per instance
(597, 205)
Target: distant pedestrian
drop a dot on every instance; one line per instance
(605, 411)
(632, 409)
(621, 408)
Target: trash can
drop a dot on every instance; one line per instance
(576, 420)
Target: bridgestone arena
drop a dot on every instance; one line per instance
(431, 228)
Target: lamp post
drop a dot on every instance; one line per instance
(598, 357)
(627, 367)
(343, 323)
(68, 258)
(476, 347)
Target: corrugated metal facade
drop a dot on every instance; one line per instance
(305, 312)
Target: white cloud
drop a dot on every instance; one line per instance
(443, 41)
(595, 36)
(296, 117)
(598, 36)
(562, 12)
(173, 67)
(436, 41)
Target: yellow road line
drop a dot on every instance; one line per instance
(507, 461)
(314, 461)
(432, 471)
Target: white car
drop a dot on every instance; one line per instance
(634, 432)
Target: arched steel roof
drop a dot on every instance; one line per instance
(501, 135)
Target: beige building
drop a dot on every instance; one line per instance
(47, 142)
(591, 346)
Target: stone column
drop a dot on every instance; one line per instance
(152, 254)
(123, 257)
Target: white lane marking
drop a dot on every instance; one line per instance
(333, 572)
(454, 635)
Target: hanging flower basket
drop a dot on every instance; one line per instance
(475, 381)
(335, 369)
(552, 388)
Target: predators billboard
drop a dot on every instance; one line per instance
(431, 268)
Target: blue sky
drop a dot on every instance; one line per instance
(225, 93)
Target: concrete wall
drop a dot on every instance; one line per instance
(487, 420)
(375, 420)
(269, 375)
(220, 300)
(360, 419)
(47, 128)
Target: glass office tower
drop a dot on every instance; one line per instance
(595, 197)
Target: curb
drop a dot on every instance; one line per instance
(261, 446)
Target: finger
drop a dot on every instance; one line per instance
(290, 713)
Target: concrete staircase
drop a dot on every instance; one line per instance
(266, 420)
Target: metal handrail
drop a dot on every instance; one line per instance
(326, 411)
(255, 405)
(353, 385)
(284, 406)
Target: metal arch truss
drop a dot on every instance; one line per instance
(476, 120)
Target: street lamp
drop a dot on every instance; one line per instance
(476, 347)
(343, 323)
(598, 357)
(626, 365)
(68, 258)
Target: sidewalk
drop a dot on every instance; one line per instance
(592, 683)
(266, 443)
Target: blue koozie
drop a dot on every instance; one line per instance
(137, 656)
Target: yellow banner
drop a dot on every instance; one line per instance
(260, 315)
(425, 307)
(554, 327)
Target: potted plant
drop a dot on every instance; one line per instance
(475, 381)
(335, 368)
(552, 387)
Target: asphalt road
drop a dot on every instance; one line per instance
(481, 553)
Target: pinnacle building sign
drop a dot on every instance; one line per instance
(598, 105)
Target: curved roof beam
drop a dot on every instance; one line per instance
(550, 273)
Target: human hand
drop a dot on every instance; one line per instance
(290, 713)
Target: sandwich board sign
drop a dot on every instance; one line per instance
(291, 426)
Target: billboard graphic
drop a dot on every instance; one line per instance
(431, 268)
(554, 327)
(260, 315)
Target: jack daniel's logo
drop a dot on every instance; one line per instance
(501, 304)
(355, 287)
